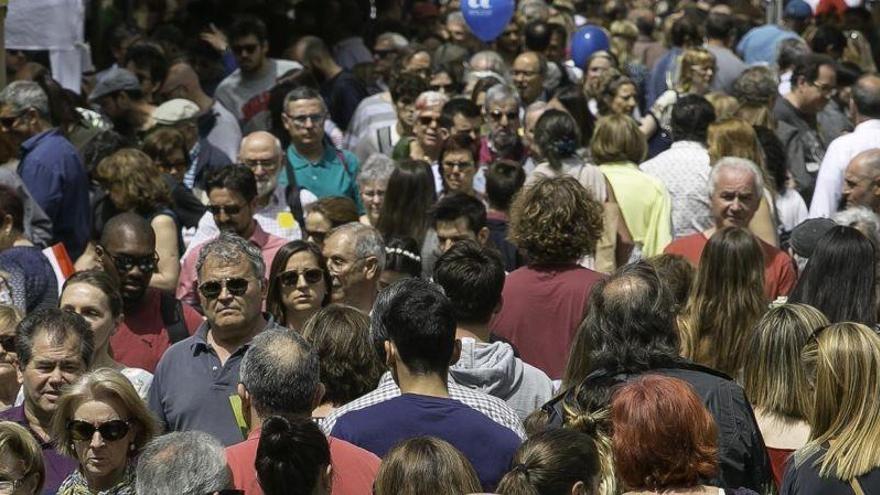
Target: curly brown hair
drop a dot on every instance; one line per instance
(133, 181)
(555, 221)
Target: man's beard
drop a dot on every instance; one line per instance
(504, 141)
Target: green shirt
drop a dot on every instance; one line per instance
(334, 175)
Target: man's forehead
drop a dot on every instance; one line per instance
(127, 240)
(507, 104)
(217, 266)
(304, 105)
(339, 244)
(460, 225)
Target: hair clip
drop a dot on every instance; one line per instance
(404, 252)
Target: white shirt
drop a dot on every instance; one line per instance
(226, 133)
(829, 182)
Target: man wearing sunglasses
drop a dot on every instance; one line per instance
(154, 320)
(501, 112)
(54, 349)
(195, 378)
(232, 201)
(50, 166)
(244, 91)
(279, 377)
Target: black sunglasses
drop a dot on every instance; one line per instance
(317, 236)
(236, 286)
(291, 277)
(497, 114)
(426, 121)
(7, 342)
(125, 263)
(228, 209)
(110, 431)
(8, 122)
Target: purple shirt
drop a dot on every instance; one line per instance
(58, 466)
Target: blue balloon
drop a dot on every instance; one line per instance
(487, 18)
(586, 41)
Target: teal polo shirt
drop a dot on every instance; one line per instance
(327, 177)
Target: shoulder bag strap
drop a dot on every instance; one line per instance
(856, 486)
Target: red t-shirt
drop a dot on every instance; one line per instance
(354, 469)
(779, 272)
(542, 309)
(141, 339)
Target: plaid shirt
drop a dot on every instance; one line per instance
(496, 409)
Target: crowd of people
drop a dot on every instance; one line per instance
(342, 247)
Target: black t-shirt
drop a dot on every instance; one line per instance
(805, 480)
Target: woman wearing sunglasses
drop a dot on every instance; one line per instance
(299, 284)
(95, 296)
(102, 423)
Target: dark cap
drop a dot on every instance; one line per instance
(114, 80)
(806, 235)
(798, 10)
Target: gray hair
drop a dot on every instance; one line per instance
(183, 463)
(230, 248)
(863, 219)
(397, 40)
(488, 60)
(789, 50)
(377, 168)
(304, 93)
(367, 241)
(740, 164)
(500, 93)
(22, 95)
(456, 17)
(534, 10)
(281, 372)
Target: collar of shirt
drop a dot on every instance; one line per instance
(194, 152)
(688, 144)
(32, 142)
(300, 162)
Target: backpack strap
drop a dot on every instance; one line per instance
(856, 486)
(291, 194)
(172, 316)
(383, 138)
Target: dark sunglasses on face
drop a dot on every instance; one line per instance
(110, 431)
(291, 277)
(236, 286)
(318, 237)
(498, 114)
(228, 209)
(443, 88)
(383, 53)
(250, 48)
(125, 263)
(460, 165)
(7, 342)
(427, 121)
(8, 122)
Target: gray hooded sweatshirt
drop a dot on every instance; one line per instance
(493, 369)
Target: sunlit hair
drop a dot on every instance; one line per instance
(692, 57)
(137, 180)
(555, 220)
(756, 89)
(19, 444)
(726, 301)
(773, 374)
(425, 465)
(103, 384)
(161, 143)
(10, 316)
(607, 87)
(617, 138)
(843, 360)
(430, 100)
(736, 137)
(725, 105)
(664, 437)
(550, 463)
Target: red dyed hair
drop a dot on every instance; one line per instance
(664, 437)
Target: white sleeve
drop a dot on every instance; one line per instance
(829, 183)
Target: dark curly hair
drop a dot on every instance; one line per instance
(555, 221)
(349, 367)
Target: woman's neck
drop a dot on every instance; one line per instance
(102, 359)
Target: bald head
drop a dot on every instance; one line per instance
(182, 82)
(128, 227)
(861, 181)
(866, 96)
(261, 151)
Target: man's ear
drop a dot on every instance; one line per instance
(456, 352)
(390, 354)
(483, 236)
(444, 133)
(371, 268)
(318, 396)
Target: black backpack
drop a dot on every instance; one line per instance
(172, 316)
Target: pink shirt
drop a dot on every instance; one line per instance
(354, 469)
(188, 281)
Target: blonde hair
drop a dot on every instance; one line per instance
(617, 139)
(16, 440)
(98, 385)
(623, 35)
(773, 374)
(844, 361)
(135, 175)
(597, 425)
(690, 58)
(10, 316)
(736, 137)
(423, 465)
(726, 301)
(725, 105)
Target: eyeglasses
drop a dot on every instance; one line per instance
(427, 121)
(236, 286)
(498, 114)
(379, 54)
(318, 237)
(300, 120)
(270, 164)
(125, 263)
(825, 89)
(110, 431)
(7, 342)
(227, 209)
(524, 73)
(249, 48)
(291, 277)
(10, 121)
(460, 165)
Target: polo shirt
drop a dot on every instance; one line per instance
(188, 281)
(192, 389)
(354, 469)
(330, 176)
(53, 172)
(58, 466)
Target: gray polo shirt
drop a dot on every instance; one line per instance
(191, 389)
